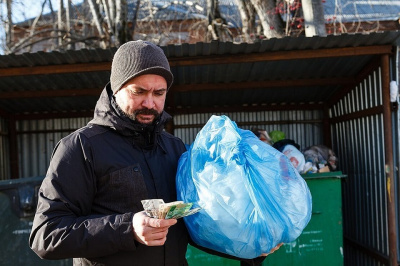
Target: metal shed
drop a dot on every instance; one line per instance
(331, 90)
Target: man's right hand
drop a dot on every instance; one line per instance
(150, 231)
(272, 250)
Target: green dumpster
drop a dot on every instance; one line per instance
(321, 242)
(196, 257)
(18, 199)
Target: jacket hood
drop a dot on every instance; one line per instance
(106, 114)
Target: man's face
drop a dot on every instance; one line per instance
(142, 98)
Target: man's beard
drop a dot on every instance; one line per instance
(143, 111)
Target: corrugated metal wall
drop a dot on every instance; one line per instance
(37, 138)
(358, 142)
(4, 151)
(304, 127)
(359, 145)
(36, 141)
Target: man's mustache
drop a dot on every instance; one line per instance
(146, 112)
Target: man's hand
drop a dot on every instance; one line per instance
(150, 231)
(272, 250)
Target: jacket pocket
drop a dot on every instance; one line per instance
(122, 190)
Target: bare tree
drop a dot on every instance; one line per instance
(217, 25)
(314, 22)
(271, 21)
(35, 21)
(60, 21)
(247, 14)
(279, 18)
(68, 27)
(9, 23)
(123, 30)
(94, 8)
(97, 23)
(109, 23)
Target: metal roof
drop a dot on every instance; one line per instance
(207, 75)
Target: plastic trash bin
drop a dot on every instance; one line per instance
(321, 242)
(18, 199)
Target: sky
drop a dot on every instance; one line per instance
(26, 9)
(335, 10)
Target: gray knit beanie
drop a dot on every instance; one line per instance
(136, 58)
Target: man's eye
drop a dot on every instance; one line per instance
(136, 92)
(159, 93)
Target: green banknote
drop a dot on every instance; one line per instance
(156, 208)
(179, 210)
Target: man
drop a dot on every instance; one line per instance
(89, 205)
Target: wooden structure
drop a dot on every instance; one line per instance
(344, 80)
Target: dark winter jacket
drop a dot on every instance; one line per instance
(96, 179)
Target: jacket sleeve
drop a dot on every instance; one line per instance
(63, 225)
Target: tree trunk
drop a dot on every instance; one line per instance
(244, 15)
(96, 17)
(60, 22)
(252, 17)
(68, 16)
(314, 22)
(217, 26)
(33, 27)
(117, 22)
(135, 18)
(55, 25)
(211, 9)
(111, 6)
(271, 21)
(122, 31)
(110, 25)
(69, 26)
(9, 23)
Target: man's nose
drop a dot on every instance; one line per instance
(148, 102)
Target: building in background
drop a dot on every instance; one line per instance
(177, 22)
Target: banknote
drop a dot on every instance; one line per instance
(166, 207)
(189, 212)
(152, 207)
(178, 210)
(157, 208)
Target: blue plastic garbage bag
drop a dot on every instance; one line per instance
(251, 196)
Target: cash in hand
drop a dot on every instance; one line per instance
(157, 208)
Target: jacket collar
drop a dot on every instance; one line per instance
(106, 114)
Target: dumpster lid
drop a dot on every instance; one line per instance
(336, 174)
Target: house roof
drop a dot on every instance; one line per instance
(361, 10)
(298, 72)
(337, 10)
(334, 10)
(160, 10)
